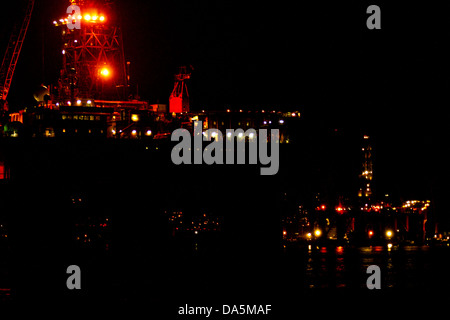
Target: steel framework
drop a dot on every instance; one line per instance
(93, 62)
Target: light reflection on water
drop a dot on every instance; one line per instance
(344, 267)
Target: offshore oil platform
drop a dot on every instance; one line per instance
(92, 95)
(92, 98)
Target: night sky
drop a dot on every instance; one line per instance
(317, 58)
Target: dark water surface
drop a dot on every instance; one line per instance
(102, 209)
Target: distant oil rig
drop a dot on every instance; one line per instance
(92, 95)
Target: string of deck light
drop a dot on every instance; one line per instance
(87, 17)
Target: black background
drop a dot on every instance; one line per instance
(317, 58)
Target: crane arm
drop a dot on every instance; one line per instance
(12, 54)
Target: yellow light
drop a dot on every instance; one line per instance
(389, 233)
(80, 17)
(104, 72)
(134, 117)
(309, 235)
(94, 18)
(78, 102)
(389, 246)
(149, 132)
(133, 132)
(317, 232)
(87, 17)
(102, 18)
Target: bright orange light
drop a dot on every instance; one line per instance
(94, 18)
(87, 17)
(104, 72)
(102, 18)
(370, 233)
(322, 207)
(79, 17)
(284, 233)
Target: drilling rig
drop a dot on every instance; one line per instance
(92, 52)
(90, 97)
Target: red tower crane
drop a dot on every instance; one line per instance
(179, 99)
(11, 56)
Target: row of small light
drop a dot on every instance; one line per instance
(86, 17)
(318, 233)
(133, 132)
(78, 103)
(286, 114)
